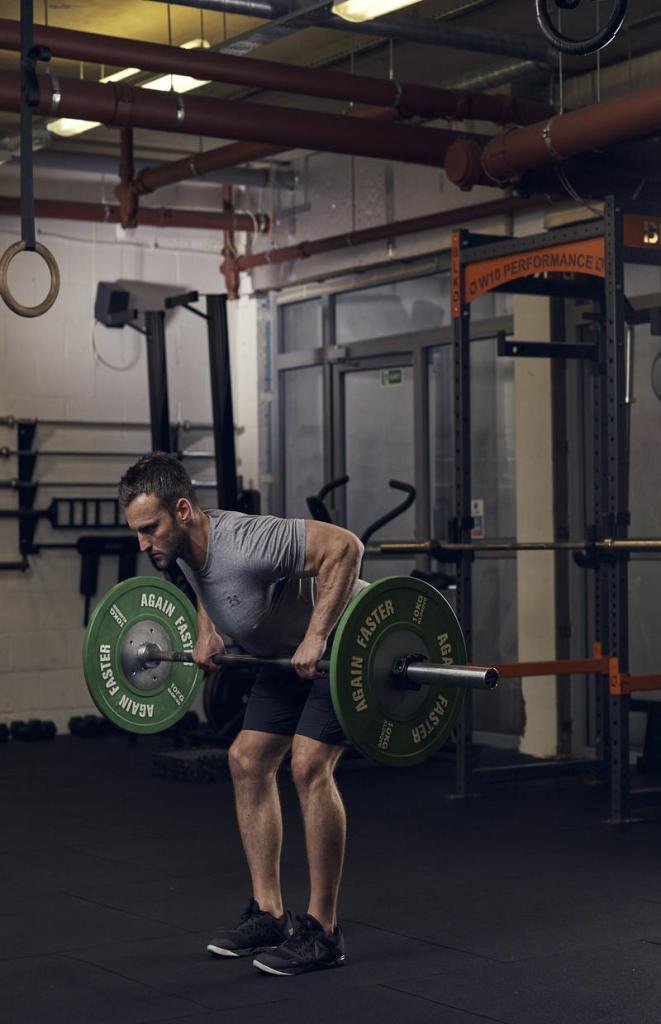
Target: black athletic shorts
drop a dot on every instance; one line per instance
(282, 703)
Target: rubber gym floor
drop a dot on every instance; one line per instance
(518, 906)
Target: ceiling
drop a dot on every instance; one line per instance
(341, 50)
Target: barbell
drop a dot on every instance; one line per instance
(397, 670)
(449, 551)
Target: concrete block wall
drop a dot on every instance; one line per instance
(341, 194)
(63, 366)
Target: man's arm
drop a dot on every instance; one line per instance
(209, 641)
(333, 555)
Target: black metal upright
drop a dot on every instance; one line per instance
(561, 524)
(462, 502)
(615, 422)
(157, 372)
(221, 401)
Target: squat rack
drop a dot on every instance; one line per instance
(594, 253)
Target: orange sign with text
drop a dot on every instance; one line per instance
(583, 257)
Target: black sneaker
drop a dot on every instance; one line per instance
(257, 930)
(308, 949)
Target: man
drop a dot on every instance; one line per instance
(277, 587)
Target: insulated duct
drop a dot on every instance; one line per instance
(428, 31)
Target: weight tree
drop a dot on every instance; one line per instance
(595, 253)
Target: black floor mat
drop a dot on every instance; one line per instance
(518, 906)
(607, 985)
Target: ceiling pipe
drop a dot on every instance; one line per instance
(153, 178)
(126, 196)
(123, 106)
(228, 266)
(97, 163)
(410, 100)
(349, 240)
(209, 220)
(401, 27)
(514, 151)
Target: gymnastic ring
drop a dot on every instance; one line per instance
(53, 291)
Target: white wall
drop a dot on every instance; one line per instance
(329, 200)
(49, 369)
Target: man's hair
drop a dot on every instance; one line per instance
(160, 474)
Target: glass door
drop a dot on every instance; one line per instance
(375, 441)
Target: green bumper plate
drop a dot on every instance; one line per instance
(396, 615)
(139, 699)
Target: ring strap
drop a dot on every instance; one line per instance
(27, 67)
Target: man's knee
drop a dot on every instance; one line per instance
(313, 765)
(256, 755)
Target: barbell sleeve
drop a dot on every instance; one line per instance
(471, 677)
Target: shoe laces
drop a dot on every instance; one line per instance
(303, 936)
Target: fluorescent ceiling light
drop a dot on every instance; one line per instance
(180, 83)
(68, 126)
(175, 83)
(365, 10)
(118, 76)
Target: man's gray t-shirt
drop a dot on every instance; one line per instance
(252, 585)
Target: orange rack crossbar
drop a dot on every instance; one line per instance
(598, 664)
(620, 684)
(632, 684)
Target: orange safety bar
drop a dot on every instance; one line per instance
(631, 684)
(598, 664)
(619, 683)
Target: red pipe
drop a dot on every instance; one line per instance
(409, 100)
(205, 220)
(152, 178)
(505, 157)
(126, 195)
(447, 218)
(228, 266)
(124, 106)
(232, 155)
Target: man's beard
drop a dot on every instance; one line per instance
(179, 548)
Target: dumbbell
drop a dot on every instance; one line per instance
(33, 730)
